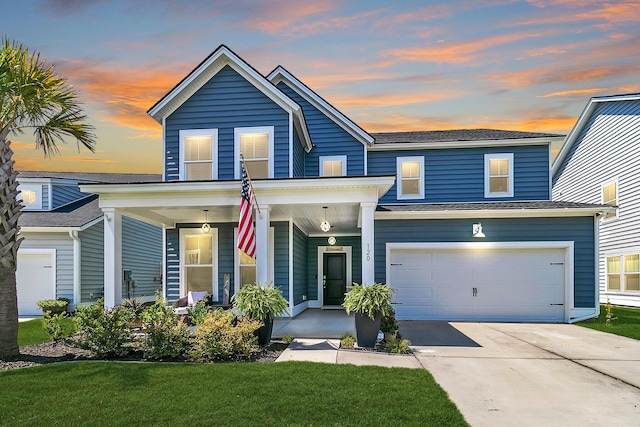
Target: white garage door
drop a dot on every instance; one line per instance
(35, 280)
(479, 284)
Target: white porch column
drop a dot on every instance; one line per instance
(112, 257)
(367, 233)
(262, 244)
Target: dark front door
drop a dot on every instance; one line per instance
(335, 278)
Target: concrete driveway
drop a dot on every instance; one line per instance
(506, 374)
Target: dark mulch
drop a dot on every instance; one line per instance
(65, 351)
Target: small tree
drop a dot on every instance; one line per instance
(32, 96)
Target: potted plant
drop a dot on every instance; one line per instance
(53, 306)
(389, 325)
(369, 303)
(263, 303)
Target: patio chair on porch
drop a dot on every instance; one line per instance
(190, 300)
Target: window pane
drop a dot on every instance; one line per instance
(631, 264)
(609, 194)
(258, 169)
(245, 259)
(247, 275)
(410, 169)
(410, 186)
(198, 250)
(498, 167)
(199, 279)
(613, 264)
(499, 185)
(632, 282)
(254, 145)
(332, 168)
(197, 148)
(198, 171)
(29, 197)
(613, 282)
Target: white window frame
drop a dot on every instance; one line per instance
(236, 259)
(323, 159)
(37, 188)
(269, 130)
(487, 175)
(186, 232)
(412, 159)
(604, 184)
(213, 133)
(620, 272)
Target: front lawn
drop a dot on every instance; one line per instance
(627, 322)
(267, 394)
(32, 332)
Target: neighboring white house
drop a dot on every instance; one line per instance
(62, 251)
(600, 163)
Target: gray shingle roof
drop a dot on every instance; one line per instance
(439, 207)
(122, 178)
(75, 214)
(456, 135)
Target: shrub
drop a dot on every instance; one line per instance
(388, 322)
(198, 312)
(53, 306)
(347, 341)
(135, 306)
(105, 332)
(287, 339)
(54, 326)
(222, 336)
(166, 336)
(368, 299)
(399, 346)
(260, 302)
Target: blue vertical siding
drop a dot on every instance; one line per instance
(356, 260)
(300, 265)
(64, 194)
(328, 138)
(225, 102)
(298, 156)
(281, 257)
(457, 175)
(576, 229)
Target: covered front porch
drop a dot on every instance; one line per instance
(293, 251)
(316, 323)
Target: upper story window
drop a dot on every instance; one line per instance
(333, 165)
(498, 175)
(199, 154)
(255, 144)
(610, 197)
(31, 196)
(410, 177)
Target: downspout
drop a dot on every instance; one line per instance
(76, 267)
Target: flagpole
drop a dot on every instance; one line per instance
(250, 184)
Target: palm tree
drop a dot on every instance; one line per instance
(32, 96)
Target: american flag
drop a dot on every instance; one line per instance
(246, 233)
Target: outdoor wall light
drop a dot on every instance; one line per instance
(324, 225)
(206, 227)
(477, 230)
(332, 240)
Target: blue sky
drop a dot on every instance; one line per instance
(389, 66)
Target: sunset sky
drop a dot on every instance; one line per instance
(389, 66)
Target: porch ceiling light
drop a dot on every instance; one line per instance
(206, 227)
(477, 230)
(324, 225)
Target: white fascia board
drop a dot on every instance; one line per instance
(202, 74)
(300, 124)
(48, 229)
(401, 146)
(486, 213)
(581, 123)
(280, 74)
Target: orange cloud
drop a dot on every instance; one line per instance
(403, 123)
(611, 13)
(552, 124)
(390, 100)
(559, 74)
(279, 16)
(575, 92)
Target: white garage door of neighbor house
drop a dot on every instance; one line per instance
(35, 280)
(479, 284)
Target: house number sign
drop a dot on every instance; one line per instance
(368, 253)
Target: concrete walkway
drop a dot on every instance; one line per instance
(501, 374)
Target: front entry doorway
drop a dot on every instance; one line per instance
(334, 277)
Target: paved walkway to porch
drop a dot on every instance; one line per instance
(316, 323)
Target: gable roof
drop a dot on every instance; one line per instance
(280, 74)
(458, 138)
(208, 68)
(73, 215)
(584, 118)
(122, 178)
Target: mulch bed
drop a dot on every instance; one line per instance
(65, 351)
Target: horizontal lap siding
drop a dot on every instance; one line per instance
(45, 197)
(328, 138)
(92, 262)
(300, 265)
(576, 229)
(457, 175)
(172, 275)
(607, 149)
(356, 260)
(64, 194)
(298, 156)
(225, 102)
(281, 257)
(63, 245)
(142, 254)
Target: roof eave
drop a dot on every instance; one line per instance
(393, 146)
(492, 213)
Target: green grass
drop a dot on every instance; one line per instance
(627, 323)
(32, 332)
(234, 394)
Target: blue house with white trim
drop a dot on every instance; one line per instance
(460, 223)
